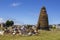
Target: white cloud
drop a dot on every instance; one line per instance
(1, 20)
(15, 4)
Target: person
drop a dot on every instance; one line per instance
(23, 30)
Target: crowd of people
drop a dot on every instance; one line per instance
(25, 31)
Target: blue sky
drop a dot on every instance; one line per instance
(27, 11)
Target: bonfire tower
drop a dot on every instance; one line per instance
(43, 20)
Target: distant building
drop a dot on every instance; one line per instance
(2, 24)
(56, 25)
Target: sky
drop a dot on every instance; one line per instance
(27, 11)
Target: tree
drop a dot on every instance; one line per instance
(28, 26)
(9, 23)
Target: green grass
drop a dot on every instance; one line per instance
(44, 35)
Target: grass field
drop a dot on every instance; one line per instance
(44, 35)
